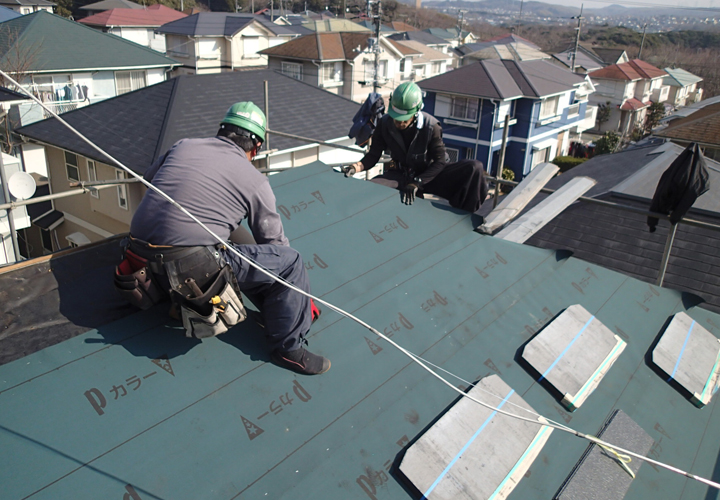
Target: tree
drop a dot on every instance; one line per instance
(603, 113)
(607, 143)
(654, 114)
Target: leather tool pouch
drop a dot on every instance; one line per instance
(216, 308)
(135, 283)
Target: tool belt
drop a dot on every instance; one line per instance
(197, 280)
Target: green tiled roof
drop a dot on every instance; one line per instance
(678, 77)
(46, 42)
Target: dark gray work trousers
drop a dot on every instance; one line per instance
(462, 184)
(286, 313)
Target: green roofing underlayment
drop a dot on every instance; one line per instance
(135, 410)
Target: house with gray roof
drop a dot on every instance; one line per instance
(138, 127)
(683, 87)
(23, 7)
(545, 105)
(215, 42)
(584, 60)
(65, 74)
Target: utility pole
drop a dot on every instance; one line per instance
(577, 37)
(643, 41)
(374, 11)
(517, 29)
(461, 22)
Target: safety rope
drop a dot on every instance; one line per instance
(540, 420)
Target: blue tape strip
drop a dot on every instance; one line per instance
(677, 363)
(566, 349)
(467, 445)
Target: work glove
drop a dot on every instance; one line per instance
(407, 193)
(350, 170)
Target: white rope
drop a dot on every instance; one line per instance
(417, 359)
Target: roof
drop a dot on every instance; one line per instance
(447, 34)
(401, 26)
(336, 25)
(405, 48)
(7, 14)
(678, 77)
(510, 38)
(702, 126)
(426, 53)
(155, 15)
(74, 342)
(112, 4)
(371, 26)
(75, 47)
(584, 59)
(11, 95)
(496, 79)
(321, 46)
(220, 24)
(633, 104)
(33, 3)
(621, 241)
(514, 51)
(630, 71)
(152, 119)
(609, 56)
(419, 36)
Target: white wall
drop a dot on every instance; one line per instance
(34, 159)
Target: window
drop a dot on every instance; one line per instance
(453, 155)
(293, 70)
(332, 72)
(465, 108)
(92, 177)
(436, 67)
(251, 44)
(549, 107)
(122, 190)
(209, 48)
(176, 45)
(539, 156)
(71, 167)
(402, 65)
(370, 70)
(127, 81)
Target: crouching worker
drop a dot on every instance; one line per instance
(414, 139)
(215, 181)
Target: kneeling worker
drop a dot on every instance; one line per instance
(215, 181)
(414, 139)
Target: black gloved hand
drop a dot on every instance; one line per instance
(407, 193)
(349, 171)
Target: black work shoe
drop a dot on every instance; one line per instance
(301, 361)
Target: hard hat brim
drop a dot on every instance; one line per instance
(401, 117)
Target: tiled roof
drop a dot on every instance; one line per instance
(609, 56)
(401, 26)
(427, 53)
(678, 77)
(11, 95)
(420, 36)
(112, 4)
(497, 79)
(335, 25)
(629, 71)
(405, 48)
(633, 104)
(152, 119)
(155, 15)
(584, 59)
(74, 46)
(7, 14)
(321, 46)
(702, 126)
(514, 51)
(509, 38)
(220, 24)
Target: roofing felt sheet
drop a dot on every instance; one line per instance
(134, 408)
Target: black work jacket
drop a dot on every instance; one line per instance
(423, 159)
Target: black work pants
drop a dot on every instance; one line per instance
(462, 184)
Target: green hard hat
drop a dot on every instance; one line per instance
(406, 100)
(247, 116)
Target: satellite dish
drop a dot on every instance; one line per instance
(21, 185)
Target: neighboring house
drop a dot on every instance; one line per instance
(214, 42)
(702, 126)
(136, 25)
(425, 38)
(23, 7)
(424, 61)
(586, 61)
(7, 14)
(98, 7)
(400, 26)
(620, 240)
(545, 105)
(137, 128)
(611, 56)
(628, 89)
(65, 74)
(683, 87)
(492, 50)
(341, 63)
(455, 36)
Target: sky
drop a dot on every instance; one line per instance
(713, 4)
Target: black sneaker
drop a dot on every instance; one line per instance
(301, 361)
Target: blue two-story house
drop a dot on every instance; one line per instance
(545, 104)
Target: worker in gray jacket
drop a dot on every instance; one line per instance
(215, 181)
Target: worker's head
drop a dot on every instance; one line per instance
(405, 103)
(244, 124)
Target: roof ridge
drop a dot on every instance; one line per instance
(489, 75)
(522, 72)
(175, 82)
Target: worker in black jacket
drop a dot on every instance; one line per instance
(414, 139)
